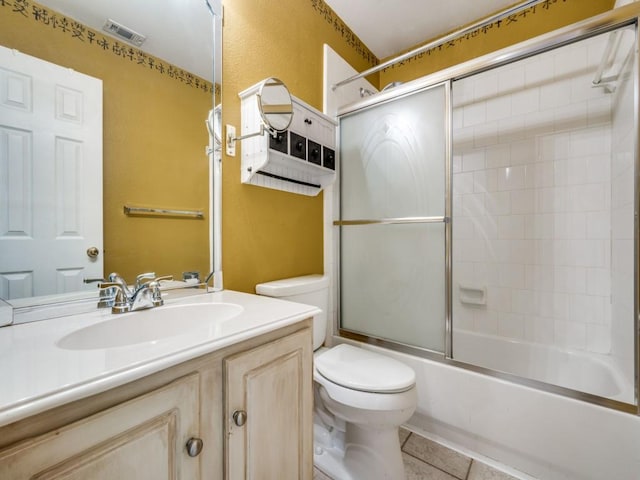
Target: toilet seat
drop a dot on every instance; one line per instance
(363, 370)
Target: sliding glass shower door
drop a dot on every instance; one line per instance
(392, 220)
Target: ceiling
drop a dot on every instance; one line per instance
(180, 31)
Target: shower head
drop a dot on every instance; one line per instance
(365, 92)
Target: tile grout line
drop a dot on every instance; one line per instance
(469, 470)
(405, 441)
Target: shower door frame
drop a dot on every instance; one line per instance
(628, 15)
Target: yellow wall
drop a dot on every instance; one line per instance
(154, 139)
(268, 234)
(533, 21)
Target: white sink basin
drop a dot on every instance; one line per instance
(152, 325)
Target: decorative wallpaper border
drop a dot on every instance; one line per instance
(484, 30)
(345, 32)
(104, 44)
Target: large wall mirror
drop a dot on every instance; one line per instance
(155, 98)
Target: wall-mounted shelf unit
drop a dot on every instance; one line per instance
(300, 160)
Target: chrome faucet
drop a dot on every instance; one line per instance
(125, 299)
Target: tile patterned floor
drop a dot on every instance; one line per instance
(427, 460)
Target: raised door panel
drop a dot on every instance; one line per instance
(141, 439)
(273, 385)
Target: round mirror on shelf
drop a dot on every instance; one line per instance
(275, 105)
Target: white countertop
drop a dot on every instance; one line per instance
(37, 375)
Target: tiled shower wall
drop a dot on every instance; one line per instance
(532, 201)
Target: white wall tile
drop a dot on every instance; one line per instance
(473, 204)
(592, 141)
(485, 181)
(570, 279)
(486, 226)
(571, 335)
(462, 183)
(511, 79)
(554, 95)
(598, 225)
(511, 325)
(511, 227)
(599, 281)
(521, 250)
(474, 114)
(587, 309)
(512, 275)
(539, 71)
(473, 160)
(525, 101)
(574, 115)
(485, 86)
(523, 152)
(511, 129)
(554, 147)
(499, 108)
(522, 201)
(599, 339)
(485, 321)
(498, 203)
(598, 168)
(587, 198)
(539, 329)
(569, 61)
(485, 134)
(570, 225)
(498, 156)
(512, 178)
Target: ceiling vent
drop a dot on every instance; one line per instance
(123, 32)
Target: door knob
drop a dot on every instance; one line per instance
(194, 446)
(93, 252)
(239, 417)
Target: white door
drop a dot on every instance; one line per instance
(50, 177)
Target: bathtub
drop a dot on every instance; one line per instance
(534, 434)
(591, 373)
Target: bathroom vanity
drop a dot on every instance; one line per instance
(229, 400)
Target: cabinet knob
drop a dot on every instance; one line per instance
(308, 121)
(194, 446)
(239, 417)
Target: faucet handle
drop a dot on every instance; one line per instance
(163, 277)
(120, 304)
(144, 276)
(156, 293)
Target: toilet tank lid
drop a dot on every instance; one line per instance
(364, 370)
(293, 286)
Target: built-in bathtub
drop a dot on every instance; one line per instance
(581, 371)
(542, 434)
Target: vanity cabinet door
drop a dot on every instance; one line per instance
(268, 411)
(142, 439)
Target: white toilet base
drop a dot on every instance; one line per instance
(369, 454)
(328, 452)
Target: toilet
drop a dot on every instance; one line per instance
(361, 397)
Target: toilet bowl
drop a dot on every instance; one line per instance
(361, 397)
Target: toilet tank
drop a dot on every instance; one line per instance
(309, 289)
